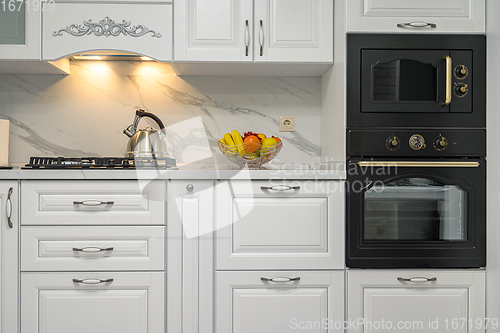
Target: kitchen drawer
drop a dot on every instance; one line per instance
(144, 28)
(127, 302)
(247, 303)
(91, 202)
(279, 225)
(92, 248)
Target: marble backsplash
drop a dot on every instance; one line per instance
(84, 114)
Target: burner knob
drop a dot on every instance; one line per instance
(392, 142)
(461, 72)
(461, 89)
(440, 143)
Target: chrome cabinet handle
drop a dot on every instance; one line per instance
(280, 188)
(417, 279)
(247, 39)
(190, 187)
(91, 249)
(261, 38)
(417, 25)
(92, 281)
(279, 279)
(9, 208)
(93, 203)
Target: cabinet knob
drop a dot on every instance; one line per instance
(190, 187)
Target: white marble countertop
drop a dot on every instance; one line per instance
(329, 171)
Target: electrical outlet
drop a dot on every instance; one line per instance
(287, 124)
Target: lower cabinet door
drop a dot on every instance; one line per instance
(416, 301)
(93, 302)
(279, 302)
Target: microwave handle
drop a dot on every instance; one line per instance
(449, 74)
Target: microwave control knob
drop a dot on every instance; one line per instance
(461, 72)
(392, 143)
(440, 143)
(461, 89)
(417, 142)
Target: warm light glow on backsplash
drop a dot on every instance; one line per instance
(121, 67)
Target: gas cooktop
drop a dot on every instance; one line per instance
(124, 163)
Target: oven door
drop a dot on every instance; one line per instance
(416, 214)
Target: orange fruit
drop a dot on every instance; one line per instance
(252, 143)
(277, 139)
(261, 136)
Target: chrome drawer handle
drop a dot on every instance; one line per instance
(9, 208)
(280, 188)
(417, 279)
(92, 281)
(417, 25)
(280, 279)
(91, 249)
(93, 203)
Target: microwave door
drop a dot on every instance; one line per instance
(406, 81)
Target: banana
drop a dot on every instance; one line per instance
(228, 139)
(238, 140)
(222, 141)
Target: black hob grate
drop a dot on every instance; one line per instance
(100, 163)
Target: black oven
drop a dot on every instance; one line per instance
(413, 199)
(416, 80)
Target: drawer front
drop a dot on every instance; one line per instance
(280, 228)
(92, 203)
(137, 28)
(92, 248)
(127, 302)
(246, 302)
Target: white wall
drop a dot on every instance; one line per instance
(493, 160)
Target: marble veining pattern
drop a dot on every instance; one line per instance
(84, 114)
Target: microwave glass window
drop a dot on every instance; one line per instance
(404, 80)
(415, 209)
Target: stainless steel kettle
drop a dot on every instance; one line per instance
(146, 142)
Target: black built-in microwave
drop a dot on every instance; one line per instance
(416, 80)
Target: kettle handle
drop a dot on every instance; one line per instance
(142, 113)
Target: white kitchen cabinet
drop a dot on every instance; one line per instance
(397, 16)
(293, 31)
(113, 302)
(416, 299)
(279, 225)
(144, 28)
(91, 202)
(9, 251)
(247, 302)
(190, 217)
(20, 34)
(78, 248)
(207, 30)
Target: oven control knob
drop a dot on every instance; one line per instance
(461, 72)
(417, 142)
(440, 143)
(392, 143)
(461, 89)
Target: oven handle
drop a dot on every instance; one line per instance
(449, 78)
(420, 164)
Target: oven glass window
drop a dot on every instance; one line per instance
(415, 209)
(404, 80)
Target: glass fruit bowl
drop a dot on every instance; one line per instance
(237, 154)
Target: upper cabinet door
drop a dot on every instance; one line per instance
(422, 16)
(9, 251)
(294, 31)
(133, 28)
(19, 31)
(213, 30)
